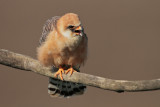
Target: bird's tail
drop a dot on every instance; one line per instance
(59, 88)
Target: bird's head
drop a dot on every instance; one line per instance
(70, 26)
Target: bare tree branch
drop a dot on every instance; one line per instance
(28, 64)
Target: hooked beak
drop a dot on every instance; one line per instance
(78, 30)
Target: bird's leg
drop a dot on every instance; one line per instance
(59, 72)
(71, 70)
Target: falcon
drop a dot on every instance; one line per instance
(63, 45)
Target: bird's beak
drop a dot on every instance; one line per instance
(79, 29)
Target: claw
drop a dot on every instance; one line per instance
(59, 72)
(71, 70)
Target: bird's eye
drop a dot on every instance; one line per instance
(71, 27)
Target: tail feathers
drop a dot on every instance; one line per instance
(58, 88)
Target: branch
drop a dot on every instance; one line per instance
(26, 63)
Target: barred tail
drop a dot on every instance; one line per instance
(58, 88)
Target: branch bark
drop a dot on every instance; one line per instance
(26, 63)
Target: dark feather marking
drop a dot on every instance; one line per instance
(53, 83)
(49, 26)
(70, 93)
(52, 89)
(82, 87)
(76, 90)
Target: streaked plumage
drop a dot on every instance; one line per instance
(63, 45)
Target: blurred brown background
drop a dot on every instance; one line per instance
(124, 43)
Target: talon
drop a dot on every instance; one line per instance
(59, 72)
(71, 70)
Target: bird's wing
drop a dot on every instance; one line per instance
(49, 26)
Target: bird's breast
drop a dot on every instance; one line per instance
(73, 43)
(67, 51)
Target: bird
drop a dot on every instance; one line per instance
(63, 45)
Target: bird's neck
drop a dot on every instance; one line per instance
(72, 42)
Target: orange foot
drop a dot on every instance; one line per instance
(71, 70)
(59, 72)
